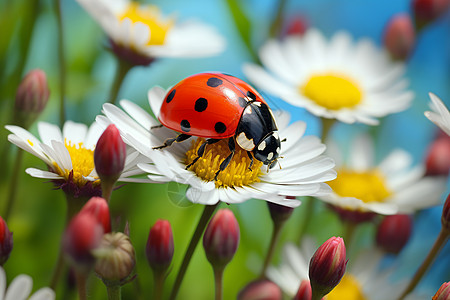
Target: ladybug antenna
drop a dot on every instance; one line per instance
(156, 126)
(273, 104)
(283, 140)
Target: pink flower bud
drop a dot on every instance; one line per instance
(443, 293)
(6, 242)
(83, 235)
(327, 266)
(399, 36)
(296, 26)
(31, 97)
(426, 11)
(279, 213)
(304, 291)
(260, 290)
(160, 246)
(438, 159)
(99, 208)
(110, 154)
(221, 238)
(445, 219)
(393, 233)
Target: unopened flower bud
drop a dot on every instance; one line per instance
(115, 257)
(81, 237)
(296, 26)
(327, 266)
(394, 232)
(443, 293)
(279, 213)
(109, 155)
(445, 219)
(260, 290)
(399, 36)
(6, 242)
(99, 208)
(437, 161)
(160, 248)
(304, 291)
(221, 238)
(31, 97)
(426, 11)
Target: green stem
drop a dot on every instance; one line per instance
(61, 63)
(114, 291)
(327, 124)
(159, 278)
(273, 242)
(122, 70)
(438, 245)
(218, 283)
(276, 26)
(206, 215)
(12, 194)
(107, 189)
(81, 279)
(349, 232)
(58, 270)
(308, 209)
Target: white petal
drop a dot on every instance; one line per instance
(361, 155)
(49, 132)
(42, 174)
(2, 283)
(155, 98)
(74, 132)
(43, 294)
(20, 288)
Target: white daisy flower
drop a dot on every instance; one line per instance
(69, 156)
(303, 168)
(439, 114)
(393, 186)
(335, 80)
(20, 289)
(135, 28)
(362, 280)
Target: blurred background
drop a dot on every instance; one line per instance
(38, 217)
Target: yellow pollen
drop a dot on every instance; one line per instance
(150, 16)
(30, 142)
(236, 173)
(348, 289)
(367, 186)
(332, 91)
(82, 163)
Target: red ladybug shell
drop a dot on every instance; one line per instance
(207, 105)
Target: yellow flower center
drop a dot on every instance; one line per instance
(367, 186)
(150, 16)
(237, 173)
(82, 163)
(332, 91)
(348, 289)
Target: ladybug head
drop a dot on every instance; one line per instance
(268, 149)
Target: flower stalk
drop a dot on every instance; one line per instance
(61, 64)
(122, 70)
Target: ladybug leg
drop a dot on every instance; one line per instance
(251, 160)
(179, 138)
(201, 150)
(226, 161)
(156, 126)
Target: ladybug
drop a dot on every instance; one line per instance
(217, 106)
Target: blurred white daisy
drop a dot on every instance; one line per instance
(335, 80)
(439, 114)
(140, 29)
(303, 168)
(69, 156)
(363, 280)
(393, 186)
(20, 289)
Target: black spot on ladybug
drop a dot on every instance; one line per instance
(251, 95)
(185, 125)
(242, 102)
(220, 127)
(170, 96)
(214, 82)
(201, 104)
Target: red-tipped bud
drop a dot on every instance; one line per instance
(82, 236)
(443, 293)
(445, 219)
(6, 242)
(426, 11)
(260, 290)
(279, 213)
(31, 97)
(399, 36)
(221, 238)
(99, 208)
(304, 291)
(109, 155)
(393, 233)
(438, 159)
(327, 266)
(160, 247)
(296, 26)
